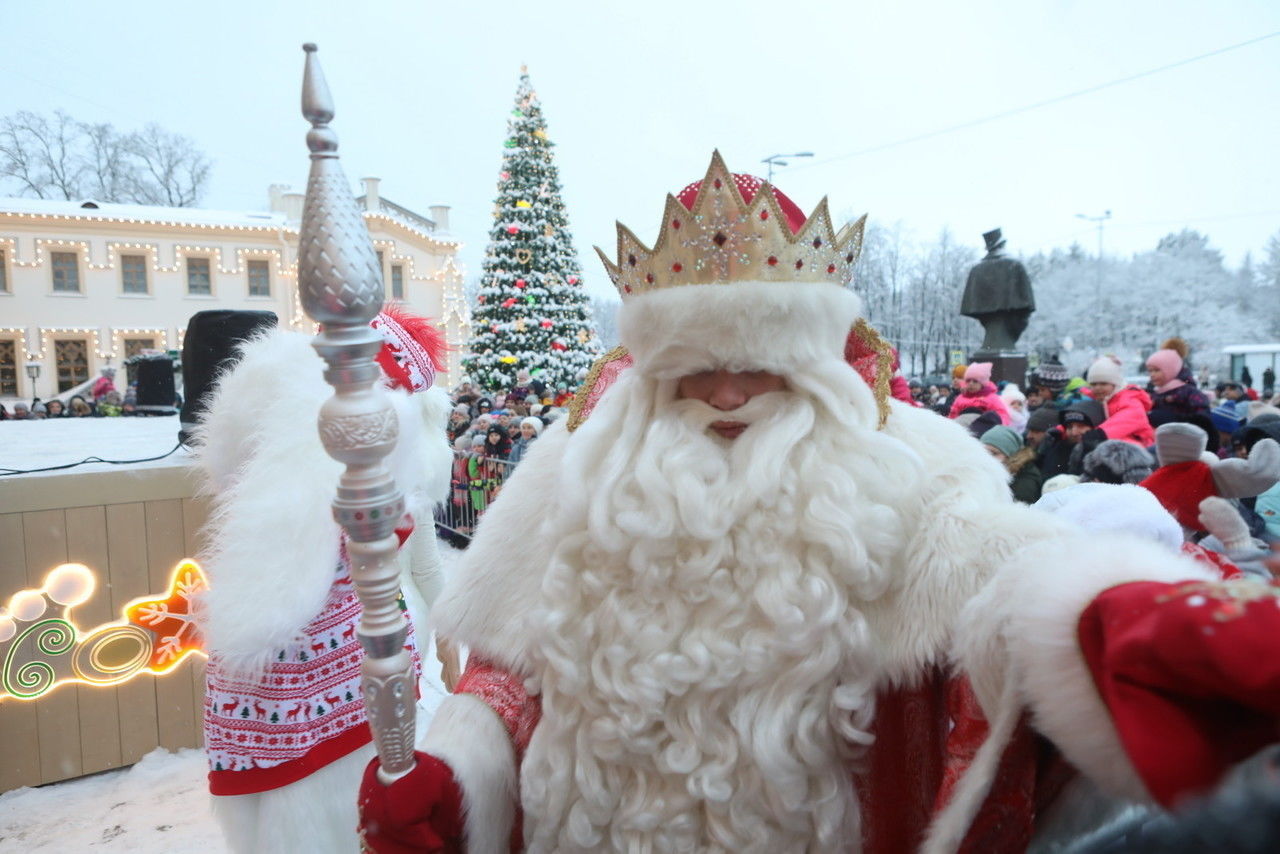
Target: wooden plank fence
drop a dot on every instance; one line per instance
(131, 527)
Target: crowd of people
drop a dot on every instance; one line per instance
(103, 400)
(490, 435)
(1063, 430)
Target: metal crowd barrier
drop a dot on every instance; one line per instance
(474, 483)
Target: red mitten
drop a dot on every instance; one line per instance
(420, 812)
(1190, 675)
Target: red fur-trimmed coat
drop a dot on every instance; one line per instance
(985, 694)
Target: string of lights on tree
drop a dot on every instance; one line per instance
(532, 311)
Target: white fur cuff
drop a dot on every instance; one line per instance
(1048, 590)
(471, 739)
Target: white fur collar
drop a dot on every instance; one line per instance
(271, 545)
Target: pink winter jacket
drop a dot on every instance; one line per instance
(1127, 417)
(987, 399)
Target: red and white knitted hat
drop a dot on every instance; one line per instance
(413, 349)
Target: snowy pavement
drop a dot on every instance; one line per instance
(159, 805)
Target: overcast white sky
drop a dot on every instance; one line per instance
(638, 95)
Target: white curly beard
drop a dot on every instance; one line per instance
(707, 677)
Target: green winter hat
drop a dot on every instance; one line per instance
(1004, 439)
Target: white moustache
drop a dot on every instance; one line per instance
(701, 415)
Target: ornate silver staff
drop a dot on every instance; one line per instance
(340, 287)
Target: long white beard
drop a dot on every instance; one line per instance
(706, 673)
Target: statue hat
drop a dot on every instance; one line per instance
(994, 239)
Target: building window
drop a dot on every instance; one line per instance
(134, 346)
(4, 273)
(199, 282)
(259, 279)
(133, 274)
(66, 272)
(382, 269)
(8, 369)
(72, 358)
(397, 281)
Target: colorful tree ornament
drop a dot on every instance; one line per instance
(508, 302)
(520, 283)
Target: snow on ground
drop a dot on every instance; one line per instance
(158, 806)
(26, 445)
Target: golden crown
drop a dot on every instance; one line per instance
(724, 239)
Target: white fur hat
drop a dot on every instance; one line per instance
(1011, 392)
(740, 326)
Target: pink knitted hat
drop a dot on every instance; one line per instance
(980, 371)
(1167, 361)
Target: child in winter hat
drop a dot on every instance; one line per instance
(1105, 370)
(980, 371)
(1169, 365)
(1017, 403)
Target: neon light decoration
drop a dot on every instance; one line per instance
(41, 647)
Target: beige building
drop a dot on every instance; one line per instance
(84, 285)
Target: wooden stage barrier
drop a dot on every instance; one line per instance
(131, 527)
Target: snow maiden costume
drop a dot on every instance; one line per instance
(681, 642)
(285, 724)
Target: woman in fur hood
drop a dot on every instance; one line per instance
(1006, 445)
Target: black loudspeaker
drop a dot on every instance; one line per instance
(208, 349)
(156, 394)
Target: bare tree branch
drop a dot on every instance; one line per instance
(41, 154)
(62, 158)
(172, 170)
(111, 172)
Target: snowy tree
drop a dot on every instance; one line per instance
(532, 311)
(605, 313)
(1128, 307)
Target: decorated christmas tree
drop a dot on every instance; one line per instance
(532, 311)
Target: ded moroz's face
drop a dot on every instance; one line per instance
(727, 391)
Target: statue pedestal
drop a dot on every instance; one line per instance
(1006, 366)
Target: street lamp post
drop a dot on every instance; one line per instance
(776, 160)
(33, 372)
(1100, 220)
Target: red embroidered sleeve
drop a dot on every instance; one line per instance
(504, 692)
(1190, 675)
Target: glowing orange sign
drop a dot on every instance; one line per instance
(41, 647)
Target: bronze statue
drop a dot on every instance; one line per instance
(998, 295)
